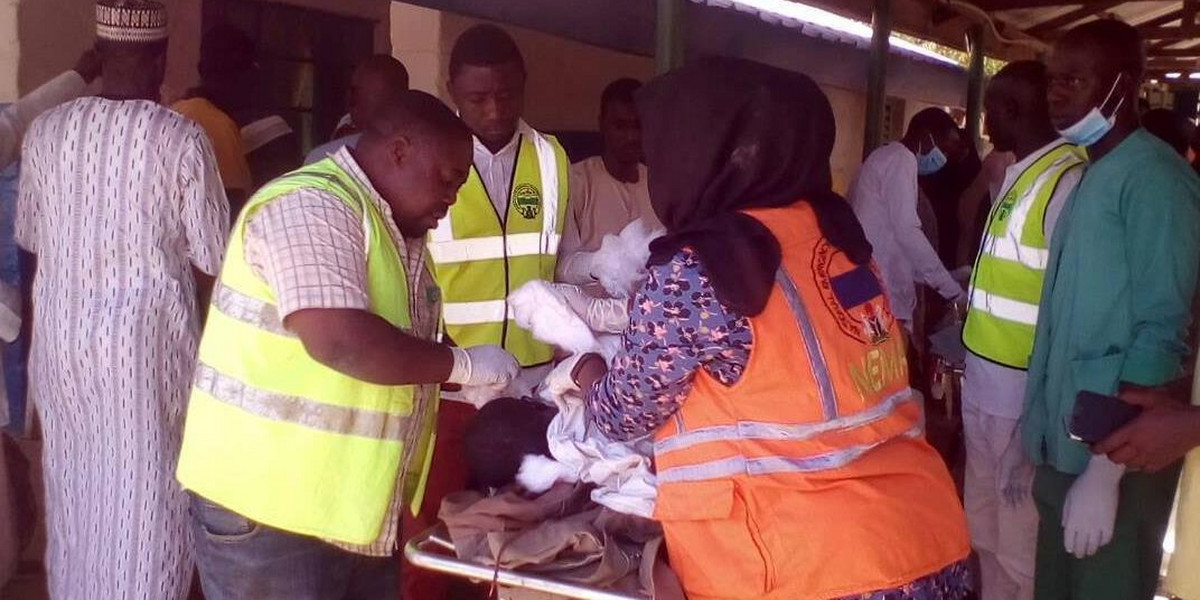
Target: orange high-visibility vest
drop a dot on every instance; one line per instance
(809, 478)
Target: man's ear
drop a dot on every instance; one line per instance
(401, 149)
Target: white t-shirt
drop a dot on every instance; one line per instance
(994, 388)
(884, 196)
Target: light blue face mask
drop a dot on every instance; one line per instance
(1094, 125)
(931, 162)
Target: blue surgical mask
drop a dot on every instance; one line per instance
(1094, 125)
(931, 162)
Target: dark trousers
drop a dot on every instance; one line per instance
(239, 559)
(1125, 569)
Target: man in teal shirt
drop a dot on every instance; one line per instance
(1115, 309)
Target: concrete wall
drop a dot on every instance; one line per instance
(10, 50)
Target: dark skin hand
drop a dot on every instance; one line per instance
(1167, 429)
(366, 347)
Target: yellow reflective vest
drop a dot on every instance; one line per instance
(1006, 286)
(479, 259)
(280, 438)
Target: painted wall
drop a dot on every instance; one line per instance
(566, 77)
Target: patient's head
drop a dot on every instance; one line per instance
(500, 436)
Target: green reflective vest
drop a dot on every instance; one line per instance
(480, 259)
(280, 438)
(1006, 285)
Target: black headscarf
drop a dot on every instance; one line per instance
(724, 135)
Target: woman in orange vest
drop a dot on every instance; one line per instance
(765, 360)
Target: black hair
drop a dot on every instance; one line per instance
(932, 120)
(386, 67)
(501, 435)
(484, 45)
(621, 90)
(415, 113)
(225, 50)
(1118, 44)
(1026, 82)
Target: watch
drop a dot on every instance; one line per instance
(583, 363)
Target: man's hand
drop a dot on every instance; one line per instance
(488, 366)
(89, 64)
(1015, 475)
(1158, 438)
(1090, 511)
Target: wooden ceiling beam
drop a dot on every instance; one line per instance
(1052, 26)
(994, 5)
(1174, 53)
(1159, 21)
(1183, 32)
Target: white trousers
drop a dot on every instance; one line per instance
(1005, 538)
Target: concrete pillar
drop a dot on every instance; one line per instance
(976, 79)
(669, 46)
(881, 24)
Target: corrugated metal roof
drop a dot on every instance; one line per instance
(822, 24)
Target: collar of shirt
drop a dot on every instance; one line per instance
(412, 252)
(1013, 172)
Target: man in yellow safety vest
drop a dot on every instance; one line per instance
(503, 232)
(310, 420)
(1006, 289)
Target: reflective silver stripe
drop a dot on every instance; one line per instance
(299, 411)
(1009, 246)
(758, 430)
(548, 171)
(493, 247)
(246, 309)
(1009, 249)
(768, 465)
(1004, 308)
(816, 357)
(474, 313)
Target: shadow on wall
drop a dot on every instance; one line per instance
(52, 34)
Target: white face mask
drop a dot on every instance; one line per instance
(1094, 125)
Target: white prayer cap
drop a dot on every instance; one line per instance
(131, 21)
(262, 132)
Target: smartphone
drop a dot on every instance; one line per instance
(1097, 416)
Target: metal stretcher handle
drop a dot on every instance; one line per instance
(433, 551)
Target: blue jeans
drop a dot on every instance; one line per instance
(239, 559)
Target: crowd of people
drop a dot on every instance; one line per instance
(260, 367)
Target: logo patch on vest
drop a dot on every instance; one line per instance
(527, 200)
(853, 298)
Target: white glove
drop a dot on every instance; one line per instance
(605, 315)
(1090, 512)
(1015, 476)
(487, 366)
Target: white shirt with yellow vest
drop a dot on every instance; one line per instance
(994, 388)
(1013, 256)
(504, 230)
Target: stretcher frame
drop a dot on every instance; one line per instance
(432, 550)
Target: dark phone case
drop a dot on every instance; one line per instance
(1097, 416)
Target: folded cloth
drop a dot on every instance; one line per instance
(561, 533)
(621, 471)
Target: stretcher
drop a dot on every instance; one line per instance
(433, 550)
